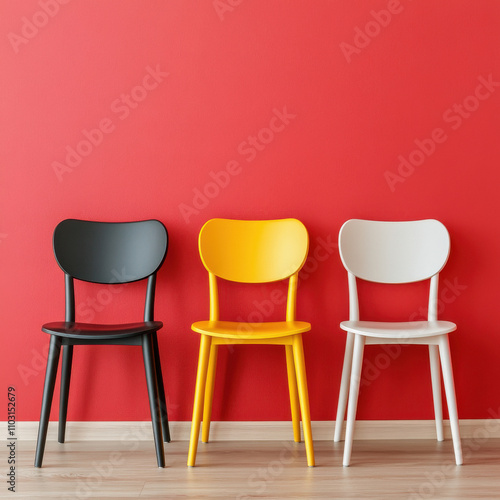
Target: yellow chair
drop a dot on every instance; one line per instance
(252, 252)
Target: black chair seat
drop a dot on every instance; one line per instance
(100, 332)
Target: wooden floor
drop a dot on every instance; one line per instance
(416, 469)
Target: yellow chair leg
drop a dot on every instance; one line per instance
(199, 393)
(294, 396)
(209, 393)
(300, 368)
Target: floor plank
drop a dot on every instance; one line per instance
(243, 470)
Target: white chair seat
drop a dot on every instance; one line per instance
(399, 330)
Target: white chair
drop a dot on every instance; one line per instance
(395, 252)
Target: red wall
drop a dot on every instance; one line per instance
(309, 117)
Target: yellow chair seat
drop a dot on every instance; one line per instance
(248, 331)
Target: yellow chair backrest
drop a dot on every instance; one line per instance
(253, 251)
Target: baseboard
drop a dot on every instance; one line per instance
(241, 431)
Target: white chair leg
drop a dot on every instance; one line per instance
(436, 390)
(449, 387)
(357, 362)
(344, 387)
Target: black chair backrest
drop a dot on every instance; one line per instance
(110, 252)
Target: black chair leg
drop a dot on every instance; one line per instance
(67, 358)
(161, 391)
(149, 366)
(48, 392)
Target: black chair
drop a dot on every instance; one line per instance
(107, 253)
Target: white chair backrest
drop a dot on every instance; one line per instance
(394, 252)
